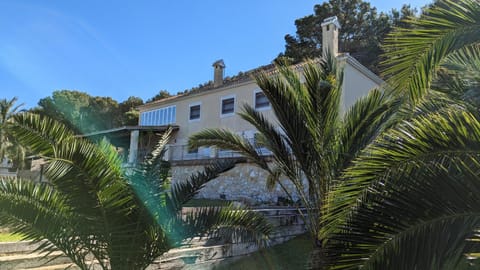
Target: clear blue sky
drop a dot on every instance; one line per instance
(136, 48)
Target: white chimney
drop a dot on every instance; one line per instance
(330, 27)
(218, 70)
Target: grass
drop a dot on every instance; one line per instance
(292, 255)
(10, 237)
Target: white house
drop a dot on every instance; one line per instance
(216, 104)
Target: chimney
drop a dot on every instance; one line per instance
(218, 70)
(330, 27)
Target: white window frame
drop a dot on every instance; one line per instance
(166, 115)
(189, 111)
(255, 101)
(221, 105)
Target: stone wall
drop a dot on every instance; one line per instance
(244, 183)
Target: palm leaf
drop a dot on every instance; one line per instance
(39, 212)
(226, 139)
(184, 191)
(459, 75)
(414, 55)
(375, 219)
(362, 123)
(229, 223)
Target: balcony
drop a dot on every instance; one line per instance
(182, 154)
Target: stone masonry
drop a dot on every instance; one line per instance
(244, 183)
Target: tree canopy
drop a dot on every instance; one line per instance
(9, 147)
(84, 113)
(161, 95)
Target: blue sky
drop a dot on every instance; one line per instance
(136, 48)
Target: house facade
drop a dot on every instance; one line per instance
(216, 105)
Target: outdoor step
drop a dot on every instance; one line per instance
(177, 258)
(18, 247)
(32, 260)
(204, 257)
(69, 266)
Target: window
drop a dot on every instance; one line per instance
(159, 117)
(228, 105)
(261, 101)
(194, 112)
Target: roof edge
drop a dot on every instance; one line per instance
(363, 69)
(126, 128)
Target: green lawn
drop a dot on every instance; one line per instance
(292, 255)
(9, 237)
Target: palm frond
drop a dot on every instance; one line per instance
(459, 74)
(226, 139)
(272, 139)
(38, 211)
(414, 56)
(230, 223)
(125, 219)
(281, 95)
(465, 62)
(184, 191)
(76, 166)
(375, 218)
(362, 123)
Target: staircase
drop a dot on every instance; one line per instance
(22, 256)
(197, 254)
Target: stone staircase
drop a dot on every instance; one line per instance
(197, 254)
(22, 256)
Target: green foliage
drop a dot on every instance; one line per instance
(363, 30)
(92, 206)
(129, 111)
(9, 147)
(410, 199)
(414, 56)
(161, 95)
(459, 75)
(65, 106)
(84, 113)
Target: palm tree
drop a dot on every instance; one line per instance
(311, 142)
(459, 75)
(414, 55)
(410, 200)
(93, 207)
(8, 146)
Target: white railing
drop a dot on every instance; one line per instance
(182, 152)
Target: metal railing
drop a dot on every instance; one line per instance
(182, 152)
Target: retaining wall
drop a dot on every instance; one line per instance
(244, 183)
